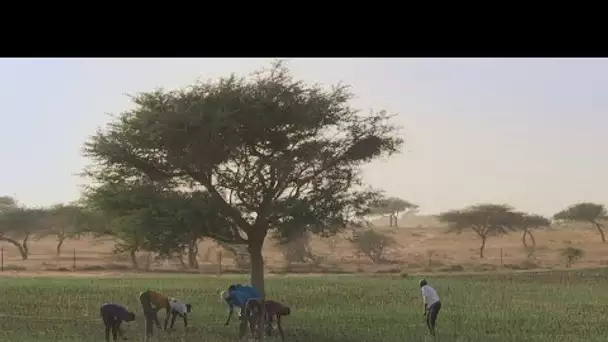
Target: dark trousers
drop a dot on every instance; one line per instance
(150, 314)
(431, 316)
(111, 324)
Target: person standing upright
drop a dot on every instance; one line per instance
(432, 305)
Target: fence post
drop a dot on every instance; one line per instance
(501, 261)
(74, 260)
(219, 258)
(2, 261)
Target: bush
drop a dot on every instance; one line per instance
(297, 250)
(372, 244)
(571, 255)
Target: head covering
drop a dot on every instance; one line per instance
(422, 282)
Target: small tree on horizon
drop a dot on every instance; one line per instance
(585, 212)
(527, 223)
(18, 223)
(392, 207)
(484, 219)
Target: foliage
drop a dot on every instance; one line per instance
(526, 223)
(585, 212)
(165, 221)
(372, 244)
(17, 224)
(484, 219)
(297, 250)
(272, 153)
(393, 206)
(572, 254)
(66, 222)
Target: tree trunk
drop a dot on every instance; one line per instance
(390, 220)
(601, 231)
(482, 247)
(60, 240)
(134, 259)
(256, 243)
(16, 243)
(523, 239)
(180, 258)
(26, 249)
(396, 220)
(193, 254)
(532, 238)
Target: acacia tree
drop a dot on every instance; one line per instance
(143, 216)
(65, 222)
(585, 212)
(17, 223)
(529, 222)
(485, 220)
(272, 152)
(392, 207)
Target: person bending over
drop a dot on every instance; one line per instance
(272, 310)
(237, 296)
(431, 303)
(152, 302)
(113, 315)
(178, 308)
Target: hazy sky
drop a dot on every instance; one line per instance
(528, 132)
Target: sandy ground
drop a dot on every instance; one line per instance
(420, 246)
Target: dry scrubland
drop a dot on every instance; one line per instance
(421, 246)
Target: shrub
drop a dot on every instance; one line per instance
(297, 250)
(571, 255)
(372, 244)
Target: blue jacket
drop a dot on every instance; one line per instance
(240, 294)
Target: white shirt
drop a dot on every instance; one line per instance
(429, 295)
(178, 306)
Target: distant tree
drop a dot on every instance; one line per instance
(572, 254)
(527, 223)
(7, 202)
(297, 249)
(273, 153)
(585, 212)
(393, 206)
(17, 224)
(146, 217)
(484, 219)
(372, 244)
(65, 221)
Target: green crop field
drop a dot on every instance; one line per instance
(551, 306)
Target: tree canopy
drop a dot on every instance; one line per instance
(393, 206)
(585, 212)
(269, 152)
(484, 219)
(18, 223)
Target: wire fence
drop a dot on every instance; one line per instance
(220, 264)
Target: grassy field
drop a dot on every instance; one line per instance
(549, 306)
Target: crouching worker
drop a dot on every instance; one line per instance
(178, 308)
(152, 302)
(272, 310)
(237, 296)
(113, 315)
